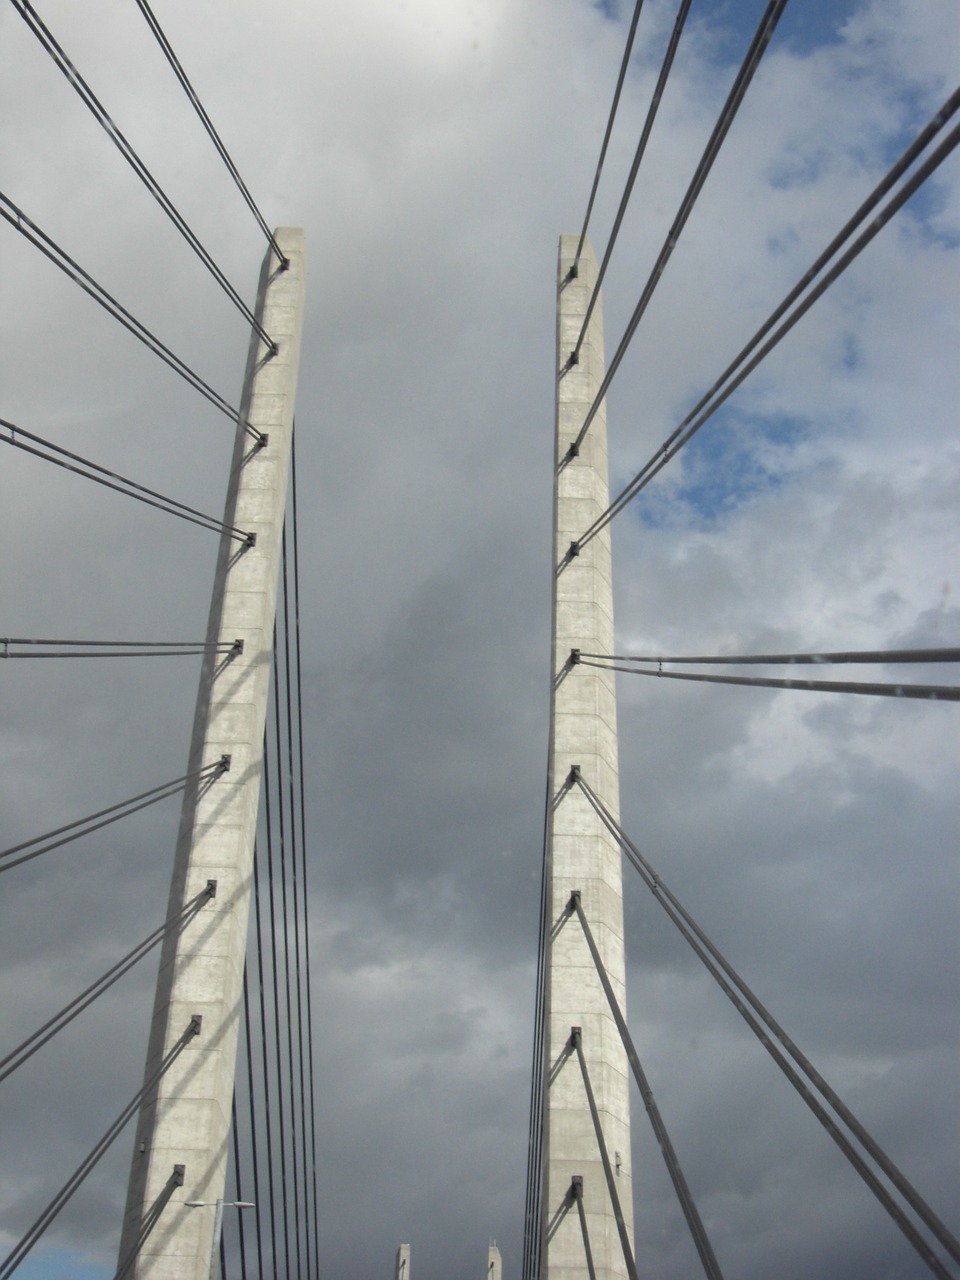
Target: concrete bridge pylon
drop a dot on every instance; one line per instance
(183, 1129)
(581, 856)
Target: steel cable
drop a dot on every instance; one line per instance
(50, 249)
(89, 98)
(294, 844)
(239, 1192)
(912, 153)
(150, 1220)
(191, 93)
(576, 1041)
(737, 371)
(661, 84)
(110, 480)
(258, 871)
(576, 1190)
(731, 106)
(303, 855)
(26, 1243)
(735, 988)
(533, 1225)
(609, 129)
(116, 648)
(85, 826)
(277, 1037)
(37, 1039)
(251, 1101)
(285, 916)
(868, 657)
(694, 1222)
(926, 692)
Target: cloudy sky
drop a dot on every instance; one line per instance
(434, 150)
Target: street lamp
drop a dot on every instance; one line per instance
(218, 1205)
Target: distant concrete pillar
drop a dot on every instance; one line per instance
(185, 1120)
(494, 1264)
(581, 855)
(402, 1271)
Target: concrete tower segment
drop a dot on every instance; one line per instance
(581, 855)
(184, 1122)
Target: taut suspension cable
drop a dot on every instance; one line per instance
(25, 1051)
(94, 821)
(49, 452)
(634, 170)
(697, 1230)
(740, 368)
(50, 249)
(23, 1247)
(89, 98)
(625, 63)
(748, 67)
(198, 106)
(767, 1029)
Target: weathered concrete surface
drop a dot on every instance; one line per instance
(186, 1118)
(581, 855)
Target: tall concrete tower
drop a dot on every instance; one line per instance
(581, 855)
(181, 1144)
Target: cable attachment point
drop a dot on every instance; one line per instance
(574, 658)
(237, 647)
(223, 764)
(251, 540)
(196, 1022)
(572, 452)
(263, 439)
(211, 888)
(574, 551)
(179, 1173)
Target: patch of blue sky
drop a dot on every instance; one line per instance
(733, 461)
(732, 23)
(610, 9)
(850, 353)
(727, 27)
(60, 1264)
(916, 106)
(929, 209)
(794, 169)
(934, 215)
(802, 27)
(808, 26)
